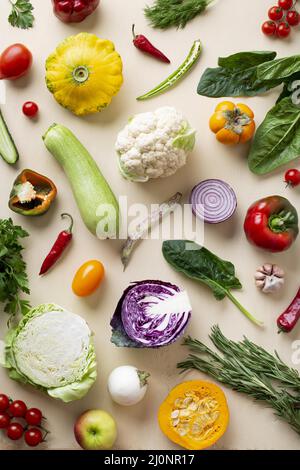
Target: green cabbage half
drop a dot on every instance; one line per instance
(52, 349)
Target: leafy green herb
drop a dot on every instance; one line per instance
(237, 76)
(244, 60)
(279, 69)
(21, 14)
(13, 276)
(202, 265)
(166, 13)
(249, 369)
(277, 140)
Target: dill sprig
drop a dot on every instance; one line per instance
(249, 369)
(166, 13)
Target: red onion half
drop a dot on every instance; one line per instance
(213, 201)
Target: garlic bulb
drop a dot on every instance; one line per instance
(269, 278)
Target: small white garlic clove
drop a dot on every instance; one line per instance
(269, 278)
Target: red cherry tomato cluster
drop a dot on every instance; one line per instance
(10, 411)
(281, 17)
(292, 177)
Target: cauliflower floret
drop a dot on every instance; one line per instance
(154, 145)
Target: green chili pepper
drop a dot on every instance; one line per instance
(184, 68)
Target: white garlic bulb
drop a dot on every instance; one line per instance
(269, 278)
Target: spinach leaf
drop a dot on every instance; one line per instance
(279, 69)
(291, 85)
(277, 139)
(219, 82)
(198, 263)
(244, 60)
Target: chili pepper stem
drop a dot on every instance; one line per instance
(69, 230)
(243, 310)
(133, 32)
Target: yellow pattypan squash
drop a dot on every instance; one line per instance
(84, 73)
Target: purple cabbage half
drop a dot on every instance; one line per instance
(150, 314)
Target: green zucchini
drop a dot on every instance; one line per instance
(8, 150)
(97, 203)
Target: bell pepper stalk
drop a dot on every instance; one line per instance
(272, 224)
(32, 194)
(74, 11)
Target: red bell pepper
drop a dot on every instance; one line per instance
(272, 224)
(74, 11)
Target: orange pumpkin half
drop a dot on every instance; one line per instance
(194, 415)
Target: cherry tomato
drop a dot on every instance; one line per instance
(33, 437)
(283, 30)
(4, 420)
(30, 109)
(285, 4)
(268, 28)
(15, 431)
(33, 416)
(275, 13)
(17, 409)
(292, 177)
(4, 402)
(293, 18)
(88, 278)
(15, 62)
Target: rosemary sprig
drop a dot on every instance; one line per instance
(249, 369)
(166, 13)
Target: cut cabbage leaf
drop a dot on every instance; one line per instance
(52, 349)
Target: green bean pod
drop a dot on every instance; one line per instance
(176, 76)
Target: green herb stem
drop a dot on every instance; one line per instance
(243, 310)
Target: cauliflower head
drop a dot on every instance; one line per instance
(154, 144)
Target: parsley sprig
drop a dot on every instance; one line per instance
(13, 276)
(21, 14)
(166, 13)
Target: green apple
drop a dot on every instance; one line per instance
(95, 430)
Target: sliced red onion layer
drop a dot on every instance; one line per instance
(155, 313)
(213, 201)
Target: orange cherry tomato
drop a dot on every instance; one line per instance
(88, 278)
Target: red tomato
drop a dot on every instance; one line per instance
(4, 402)
(292, 177)
(15, 431)
(88, 278)
(275, 13)
(17, 409)
(34, 416)
(268, 28)
(15, 62)
(30, 109)
(293, 18)
(33, 437)
(285, 4)
(4, 420)
(283, 30)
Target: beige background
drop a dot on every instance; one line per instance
(230, 26)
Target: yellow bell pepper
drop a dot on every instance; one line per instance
(232, 124)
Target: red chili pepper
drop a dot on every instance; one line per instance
(142, 43)
(272, 224)
(59, 246)
(289, 318)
